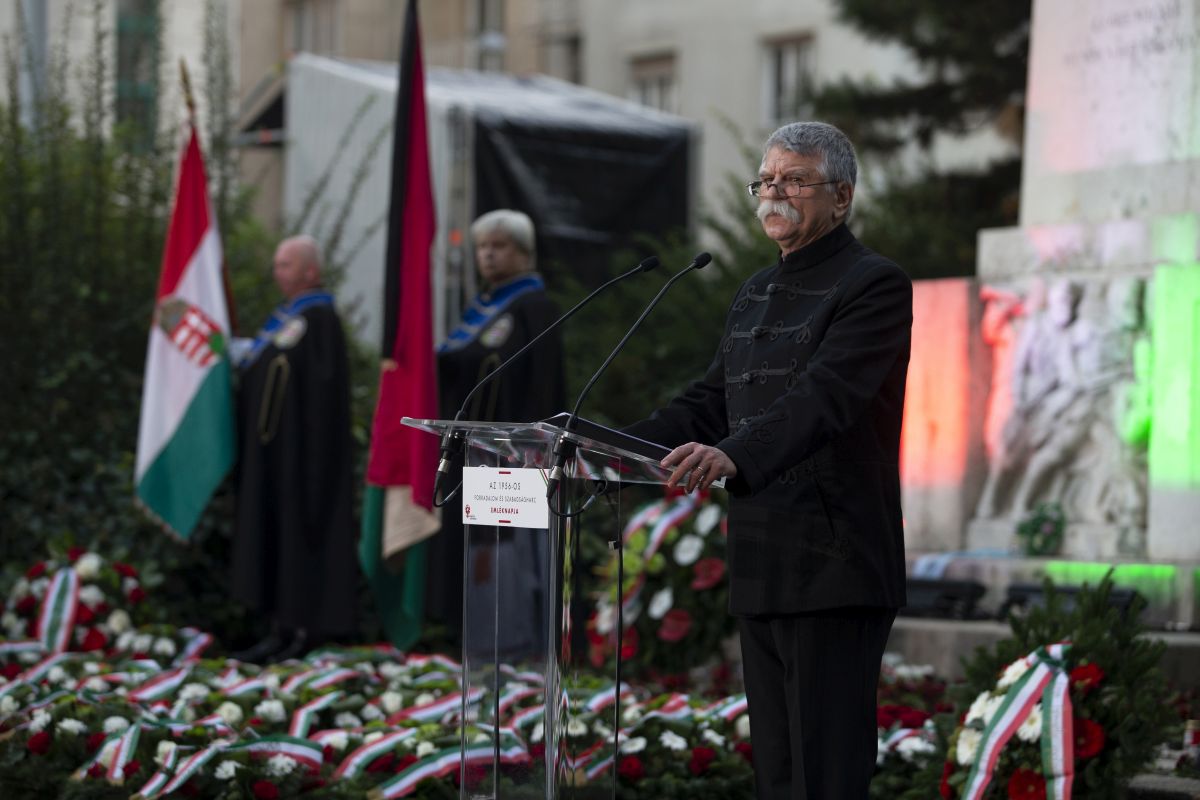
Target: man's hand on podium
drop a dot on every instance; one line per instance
(701, 464)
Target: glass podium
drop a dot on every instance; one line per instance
(526, 674)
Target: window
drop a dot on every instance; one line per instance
(788, 84)
(137, 68)
(492, 42)
(652, 82)
(312, 26)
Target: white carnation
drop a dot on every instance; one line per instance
(390, 670)
(164, 647)
(576, 727)
(230, 712)
(88, 566)
(968, 743)
(1031, 729)
(96, 685)
(713, 738)
(8, 705)
(71, 726)
(742, 726)
(538, 731)
(193, 691)
(688, 549)
(115, 724)
(347, 720)
(635, 745)
(279, 766)
(57, 675)
(41, 718)
(631, 715)
(391, 702)
(425, 749)
(661, 603)
(271, 681)
(91, 595)
(142, 643)
(119, 622)
(226, 770)
(371, 713)
(913, 746)
(707, 519)
(1012, 673)
(606, 618)
(125, 640)
(672, 740)
(338, 740)
(271, 711)
(12, 624)
(91, 668)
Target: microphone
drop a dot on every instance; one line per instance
(563, 448)
(453, 439)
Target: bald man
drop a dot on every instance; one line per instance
(294, 535)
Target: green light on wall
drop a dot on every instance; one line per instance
(1155, 582)
(1174, 456)
(1175, 238)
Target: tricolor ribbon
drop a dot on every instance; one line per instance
(56, 619)
(160, 686)
(125, 748)
(1048, 680)
(727, 709)
(353, 764)
(159, 779)
(303, 717)
(300, 750)
(197, 642)
(192, 766)
(445, 762)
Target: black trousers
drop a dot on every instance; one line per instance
(811, 681)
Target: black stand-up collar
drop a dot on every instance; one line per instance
(815, 252)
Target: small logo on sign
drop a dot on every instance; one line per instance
(467, 509)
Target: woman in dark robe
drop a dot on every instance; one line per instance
(511, 310)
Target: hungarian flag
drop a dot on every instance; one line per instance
(186, 434)
(397, 513)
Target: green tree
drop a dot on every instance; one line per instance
(972, 60)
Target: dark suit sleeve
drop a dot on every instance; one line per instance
(868, 337)
(697, 415)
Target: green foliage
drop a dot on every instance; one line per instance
(1041, 532)
(972, 60)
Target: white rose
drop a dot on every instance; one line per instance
(231, 713)
(1012, 673)
(271, 711)
(119, 621)
(115, 724)
(576, 727)
(688, 549)
(424, 699)
(370, 713)
(635, 745)
(914, 746)
(391, 702)
(1031, 729)
(347, 720)
(88, 566)
(425, 749)
(373, 736)
(742, 726)
(672, 740)
(338, 740)
(226, 770)
(193, 691)
(8, 704)
(713, 738)
(91, 595)
(707, 519)
(538, 731)
(661, 603)
(280, 765)
(71, 726)
(164, 647)
(968, 743)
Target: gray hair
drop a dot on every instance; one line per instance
(514, 224)
(307, 247)
(838, 161)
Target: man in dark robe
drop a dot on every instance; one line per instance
(294, 534)
(800, 412)
(512, 309)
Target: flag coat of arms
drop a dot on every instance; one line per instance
(186, 433)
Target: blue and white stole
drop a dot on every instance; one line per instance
(279, 317)
(486, 307)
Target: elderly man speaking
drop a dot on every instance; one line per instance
(800, 412)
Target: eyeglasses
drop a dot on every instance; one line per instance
(792, 187)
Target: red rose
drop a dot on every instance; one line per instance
(944, 788)
(327, 754)
(73, 553)
(701, 758)
(26, 604)
(708, 573)
(94, 741)
(629, 643)
(93, 640)
(675, 625)
(132, 768)
(36, 571)
(10, 671)
(744, 750)
(538, 751)
(1086, 677)
(124, 570)
(1026, 784)
(475, 776)
(405, 762)
(1089, 738)
(137, 595)
(630, 768)
(265, 790)
(382, 764)
(96, 770)
(254, 722)
(39, 743)
(84, 615)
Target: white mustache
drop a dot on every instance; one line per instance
(768, 207)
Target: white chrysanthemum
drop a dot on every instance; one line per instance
(115, 724)
(606, 618)
(390, 670)
(142, 643)
(88, 566)
(226, 770)
(913, 672)
(425, 749)
(8, 705)
(119, 621)
(978, 707)
(38, 587)
(70, 726)
(688, 549)
(230, 713)
(273, 711)
(661, 603)
(424, 699)
(41, 718)
(672, 740)
(338, 741)
(165, 748)
(576, 727)
(539, 730)
(1012, 673)
(278, 766)
(742, 726)
(164, 647)
(193, 691)
(370, 713)
(391, 702)
(914, 746)
(968, 744)
(1031, 729)
(373, 736)
(91, 595)
(631, 715)
(347, 720)
(707, 519)
(635, 745)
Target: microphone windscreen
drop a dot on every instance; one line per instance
(701, 260)
(649, 263)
